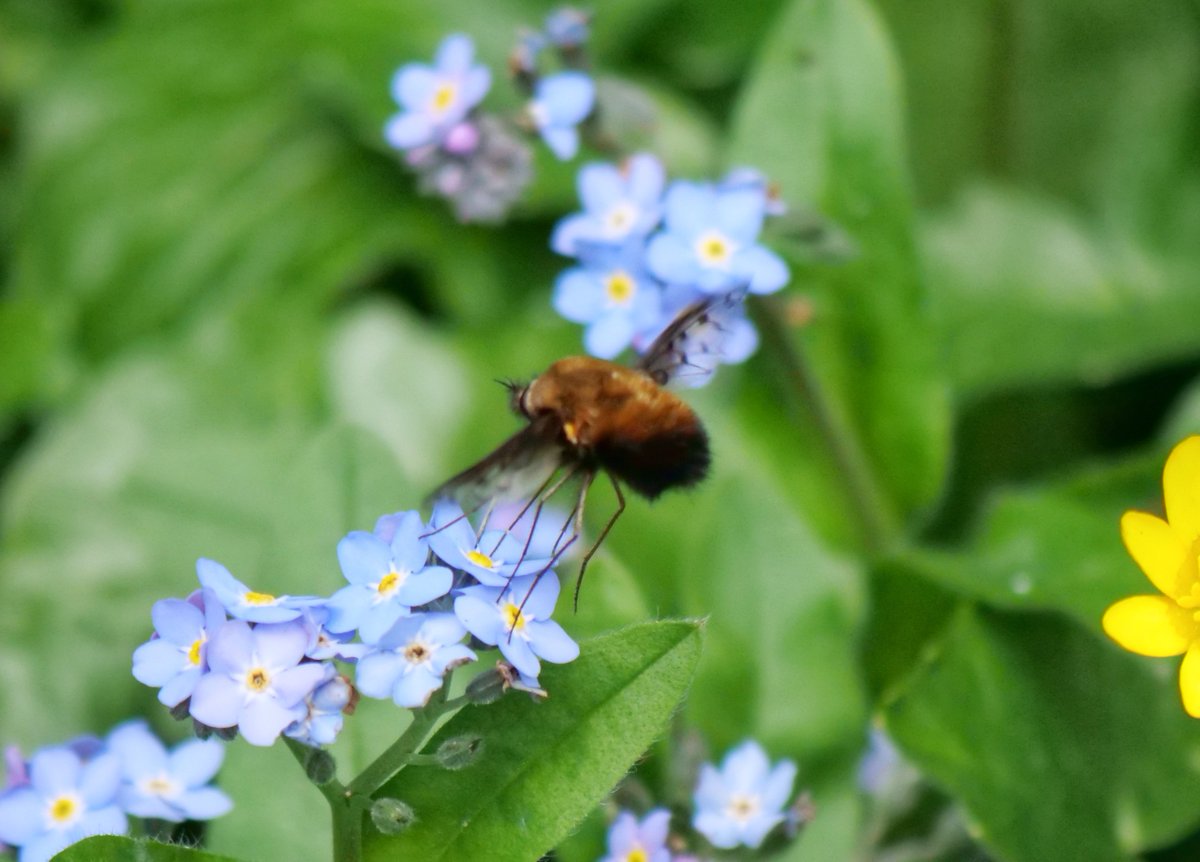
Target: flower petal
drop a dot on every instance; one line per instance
(216, 701)
(377, 673)
(405, 131)
(762, 269)
(563, 141)
(1150, 625)
(1189, 680)
(264, 718)
(363, 557)
(20, 815)
(1181, 488)
(567, 97)
(412, 85)
(204, 803)
(671, 259)
(1159, 551)
(609, 335)
(578, 295)
(177, 621)
(196, 761)
(600, 186)
(549, 641)
(455, 53)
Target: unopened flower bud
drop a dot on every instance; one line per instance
(320, 767)
(459, 751)
(392, 816)
(488, 687)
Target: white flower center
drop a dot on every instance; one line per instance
(162, 785)
(419, 652)
(619, 220)
(743, 806)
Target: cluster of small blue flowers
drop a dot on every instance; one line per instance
(238, 660)
(645, 251)
(473, 158)
(90, 786)
(736, 805)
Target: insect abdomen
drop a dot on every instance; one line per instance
(672, 457)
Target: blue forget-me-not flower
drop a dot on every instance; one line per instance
(324, 710)
(645, 841)
(243, 603)
(613, 294)
(742, 801)
(492, 558)
(167, 785)
(174, 660)
(388, 577)
(435, 98)
(255, 680)
(619, 202)
(560, 103)
(410, 660)
(66, 800)
(711, 240)
(517, 620)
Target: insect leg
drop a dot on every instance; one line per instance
(603, 533)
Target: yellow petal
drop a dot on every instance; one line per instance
(1181, 488)
(1189, 680)
(1159, 552)
(1151, 625)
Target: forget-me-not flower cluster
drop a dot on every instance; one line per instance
(239, 660)
(474, 158)
(646, 250)
(65, 793)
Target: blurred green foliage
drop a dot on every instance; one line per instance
(230, 327)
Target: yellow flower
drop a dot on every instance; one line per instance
(1167, 624)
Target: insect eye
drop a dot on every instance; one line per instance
(517, 399)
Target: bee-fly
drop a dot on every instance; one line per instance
(588, 415)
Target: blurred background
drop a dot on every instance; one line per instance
(230, 327)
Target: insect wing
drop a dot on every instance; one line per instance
(516, 468)
(703, 335)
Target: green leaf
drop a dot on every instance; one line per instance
(545, 765)
(821, 115)
(1059, 745)
(118, 848)
(1055, 546)
(1010, 268)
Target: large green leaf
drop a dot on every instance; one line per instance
(821, 115)
(117, 848)
(1028, 293)
(1055, 546)
(545, 765)
(1059, 745)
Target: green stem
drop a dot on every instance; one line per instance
(347, 817)
(404, 750)
(875, 520)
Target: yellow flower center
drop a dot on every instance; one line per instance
(193, 653)
(253, 598)
(64, 810)
(714, 249)
(389, 583)
(444, 97)
(479, 558)
(257, 679)
(620, 287)
(516, 619)
(637, 854)
(742, 806)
